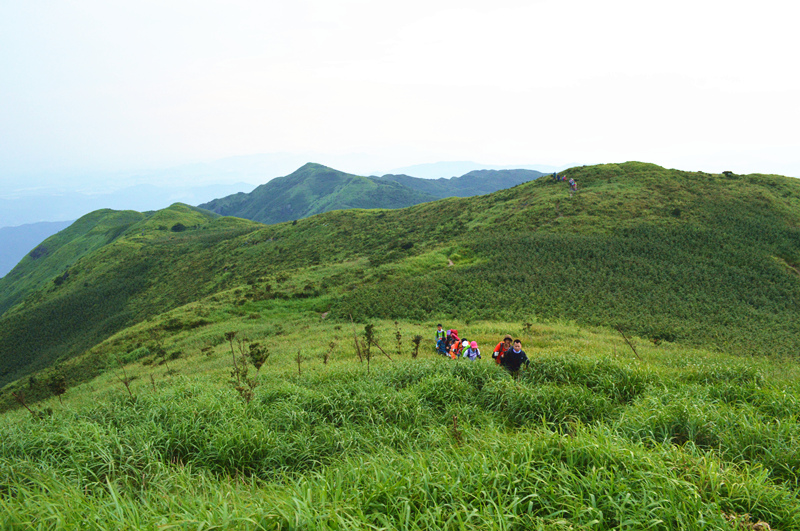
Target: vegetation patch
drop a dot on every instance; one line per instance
(243, 376)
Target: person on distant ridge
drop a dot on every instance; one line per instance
(501, 348)
(573, 187)
(514, 358)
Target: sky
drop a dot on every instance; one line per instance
(92, 88)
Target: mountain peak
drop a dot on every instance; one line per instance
(312, 189)
(313, 166)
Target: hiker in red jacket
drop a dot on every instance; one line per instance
(501, 348)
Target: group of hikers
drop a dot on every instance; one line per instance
(573, 186)
(508, 353)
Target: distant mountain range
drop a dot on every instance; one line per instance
(315, 188)
(446, 169)
(477, 182)
(310, 190)
(70, 195)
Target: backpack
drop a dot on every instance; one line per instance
(499, 357)
(454, 350)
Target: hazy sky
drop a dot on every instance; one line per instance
(88, 86)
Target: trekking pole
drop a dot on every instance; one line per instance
(628, 342)
(355, 338)
(379, 348)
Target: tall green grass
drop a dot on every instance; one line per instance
(579, 441)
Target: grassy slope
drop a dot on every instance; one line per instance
(54, 255)
(17, 242)
(588, 438)
(676, 256)
(673, 255)
(100, 290)
(591, 437)
(311, 190)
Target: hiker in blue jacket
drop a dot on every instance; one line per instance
(441, 336)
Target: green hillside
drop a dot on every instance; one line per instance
(314, 189)
(587, 437)
(477, 182)
(201, 372)
(16, 242)
(55, 254)
(676, 256)
(673, 256)
(92, 279)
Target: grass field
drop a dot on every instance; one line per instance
(589, 437)
(131, 395)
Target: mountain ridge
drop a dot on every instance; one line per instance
(314, 188)
(55, 205)
(665, 254)
(476, 182)
(448, 169)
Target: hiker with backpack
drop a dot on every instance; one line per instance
(462, 348)
(514, 358)
(441, 338)
(573, 187)
(456, 347)
(453, 344)
(472, 353)
(501, 348)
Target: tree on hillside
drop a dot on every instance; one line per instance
(57, 385)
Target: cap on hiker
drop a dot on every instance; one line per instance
(508, 336)
(465, 344)
(474, 344)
